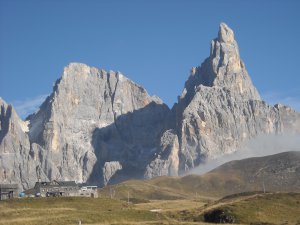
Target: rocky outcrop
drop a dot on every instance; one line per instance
(109, 169)
(166, 160)
(100, 127)
(17, 161)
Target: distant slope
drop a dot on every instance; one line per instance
(144, 190)
(270, 208)
(279, 172)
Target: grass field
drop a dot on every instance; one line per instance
(64, 211)
(256, 208)
(70, 211)
(279, 208)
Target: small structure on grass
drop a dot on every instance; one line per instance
(88, 191)
(61, 189)
(8, 191)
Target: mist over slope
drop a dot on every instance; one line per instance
(262, 145)
(273, 173)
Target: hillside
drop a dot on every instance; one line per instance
(279, 172)
(271, 208)
(246, 208)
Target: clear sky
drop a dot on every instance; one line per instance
(155, 43)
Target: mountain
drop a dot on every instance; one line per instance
(17, 163)
(274, 173)
(95, 125)
(100, 127)
(219, 110)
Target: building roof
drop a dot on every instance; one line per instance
(55, 183)
(9, 186)
(31, 191)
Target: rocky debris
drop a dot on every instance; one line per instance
(100, 127)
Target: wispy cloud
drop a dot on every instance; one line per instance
(28, 105)
(290, 98)
(260, 146)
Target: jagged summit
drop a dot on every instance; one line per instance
(77, 68)
(225, 34)
(222, 69)
(225, 56)
(220, 107)
(82, 75)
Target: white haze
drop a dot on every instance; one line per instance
(259, 146)
(29, 105)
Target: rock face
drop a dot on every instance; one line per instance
(220, 109)
(166, 161)
(100, 127)
(96, 122)
(109, 170)
(17, 163)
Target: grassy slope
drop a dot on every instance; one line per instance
(69, 211)
(270, 208)
(146, 190)
(64, 211)
(171, 188)
(182, 200)
(279, 172)
(273, 208)
(247, 208)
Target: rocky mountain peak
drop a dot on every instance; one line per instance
(222, 69)
(225, 56)
(100, 121)
(220, 108)
(16, 162)
(225, 34)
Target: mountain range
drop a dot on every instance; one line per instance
(100, 127)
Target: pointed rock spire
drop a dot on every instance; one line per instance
(223, 68)
(225, 54)
(225, 34)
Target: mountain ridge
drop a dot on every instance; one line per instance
(100, 127)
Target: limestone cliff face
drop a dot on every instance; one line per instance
(17, 161)
(220, 108)
(218, 111)
(166, 160)
(92, 118)
(100, 127)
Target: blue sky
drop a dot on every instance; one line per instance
(154, 43)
